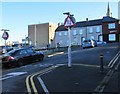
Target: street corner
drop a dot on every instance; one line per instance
(78, 78)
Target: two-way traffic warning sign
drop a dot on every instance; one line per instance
(69, 21)
(5, 35)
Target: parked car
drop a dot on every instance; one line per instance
(101, 42)
(8, 48)
(19, 57)
(89, 43)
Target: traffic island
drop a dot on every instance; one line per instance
(78, 78)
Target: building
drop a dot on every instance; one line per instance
(41, 35)
(105, 29)
(2, 42)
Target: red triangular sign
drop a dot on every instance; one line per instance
(68, 22)
(4, 35)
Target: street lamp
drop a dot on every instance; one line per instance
(35, 34)
(86, 27)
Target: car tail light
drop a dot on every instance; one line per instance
(10, 58)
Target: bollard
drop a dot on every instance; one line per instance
(101, 63)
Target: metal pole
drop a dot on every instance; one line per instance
(25, 40)
(5, 47)
(35, 35)
(69, 48)
(86, 31)
(86, 27)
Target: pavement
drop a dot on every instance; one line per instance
(78, 79)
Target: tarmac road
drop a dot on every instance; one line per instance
(84, 77)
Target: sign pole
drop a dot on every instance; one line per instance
(5, 47)
(69, 49)
(69, 22)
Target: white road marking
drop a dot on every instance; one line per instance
(43, 65)
(56, 54)
(10, 75)
(43, 85)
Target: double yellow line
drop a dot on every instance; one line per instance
(29, 79)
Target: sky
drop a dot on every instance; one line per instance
(16, 16)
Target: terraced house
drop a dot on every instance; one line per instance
(105, 29)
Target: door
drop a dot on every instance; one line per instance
(24, 56)
(82, 39)
(100, 38)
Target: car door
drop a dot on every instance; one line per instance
(34, 55)
(31, 54)
(24, 56)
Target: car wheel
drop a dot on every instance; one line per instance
(41, 58)
(20, 63)
(83, 47)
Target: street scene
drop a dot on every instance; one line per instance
(84, 75)
(73, 56)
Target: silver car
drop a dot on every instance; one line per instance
(89, 43)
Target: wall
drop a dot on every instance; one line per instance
(107, 31)
(44, 34)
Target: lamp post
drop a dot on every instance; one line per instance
(5, 36)
(69, 22)
(25, 40)
(86, 27)
(35, 35)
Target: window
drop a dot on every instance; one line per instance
(29, 50)
(92, 37)
(67, 42)
(74, 32)
(65, 33)
(97, 29)
(23, 52)
(61, 42)
(111, 25)
(80, 32)
(112, 37)
(90, 30)
(75, 40)
(82, 39)
(60, 34)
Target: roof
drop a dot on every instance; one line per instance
(88, 23)
(61, 28)
(109, 19)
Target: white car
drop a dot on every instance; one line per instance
(89, 43)
(100, 42)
